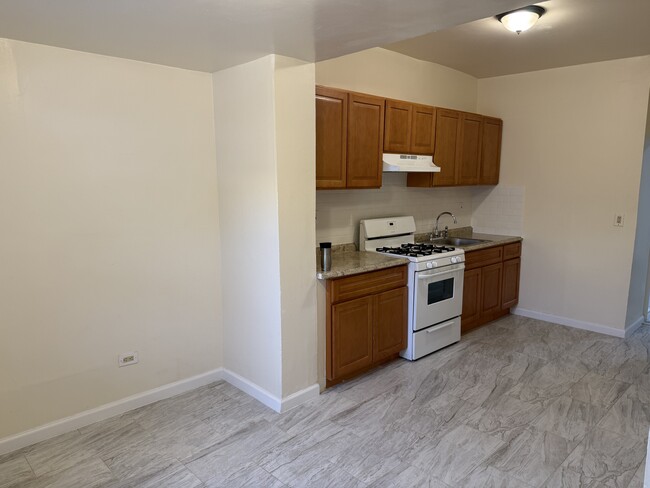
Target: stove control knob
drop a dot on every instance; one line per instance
(429, 265)
(454, 259)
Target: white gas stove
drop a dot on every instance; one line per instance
(435, 282)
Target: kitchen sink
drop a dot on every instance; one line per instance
(457, 241)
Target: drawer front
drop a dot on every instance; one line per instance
(511, 251)
(367, 283)
(483, 257)
(429, 340)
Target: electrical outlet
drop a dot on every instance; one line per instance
(461, 205)
(619, 220)
(127, 359)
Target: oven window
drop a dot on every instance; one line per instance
(440, 290)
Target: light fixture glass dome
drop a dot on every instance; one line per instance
(522, 19)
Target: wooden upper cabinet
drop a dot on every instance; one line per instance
(469, 149)
(423, 129)
(331, 137)
(492, 129)
(397, 132)
(365, 141)
(409, 128)
(448, 126)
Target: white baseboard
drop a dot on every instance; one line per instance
(629, 330)
(578, 324)
(82, 419)
(266, 397)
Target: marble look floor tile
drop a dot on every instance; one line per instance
(638, 478)
(630, 415)
(550, 382)
(365, 418)
(14, 470)
(486, 392)
(312, 413)
(607, 458)
(569, 418)
(254, 477)
(598, 390)
(324, 437)
(408, 476)
(140, 462)
(59, 453)
(377, 455)
(172, 477)
(229, 454)
(89, 473)
(532, 456)
(505, 419)
(489, 477)
(455, 454)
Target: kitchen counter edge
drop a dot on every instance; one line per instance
(357, 262)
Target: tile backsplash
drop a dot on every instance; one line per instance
(338, 212)
(499, 210)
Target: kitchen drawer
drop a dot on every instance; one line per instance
(429, 340)
(483, 257)
(511, 251)
(369, 283)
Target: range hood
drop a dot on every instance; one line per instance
(409, 163)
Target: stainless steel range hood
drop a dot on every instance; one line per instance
(409, 163)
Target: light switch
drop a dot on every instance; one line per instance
(619, 220)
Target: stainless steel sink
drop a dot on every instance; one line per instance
(457, 241)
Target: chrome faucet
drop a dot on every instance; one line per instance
(444, 233)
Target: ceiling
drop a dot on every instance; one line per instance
(571, 32)
(209, 35)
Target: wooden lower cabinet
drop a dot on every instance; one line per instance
(491, 284)
(366, 321)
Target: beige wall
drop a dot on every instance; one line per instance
(109, 230)
(573, 137)
(389, 74)
(244, 113)
(295, 142)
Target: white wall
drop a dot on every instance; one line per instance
(295, 141)
(389, 74)
(109, 230)
(244, 115)
(573, 137)
(637, 305)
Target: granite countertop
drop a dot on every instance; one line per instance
(347, 261)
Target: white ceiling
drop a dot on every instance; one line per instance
(209, 35)
(571, 32)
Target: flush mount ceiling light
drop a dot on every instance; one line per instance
(522, 19)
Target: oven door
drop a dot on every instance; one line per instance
(438, 295)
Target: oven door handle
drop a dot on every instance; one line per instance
(435, 274)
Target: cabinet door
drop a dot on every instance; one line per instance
(491, 151)
(471, 300)
(390, 323)
(447, 133)
(423, 129)
(469, 149)
(365, 141)
(491, 288)
(510, 288)
(331, 137)
(351, 336)
(397, 132)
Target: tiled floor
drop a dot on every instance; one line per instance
(519, 403)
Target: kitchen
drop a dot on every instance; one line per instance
(568, 224)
